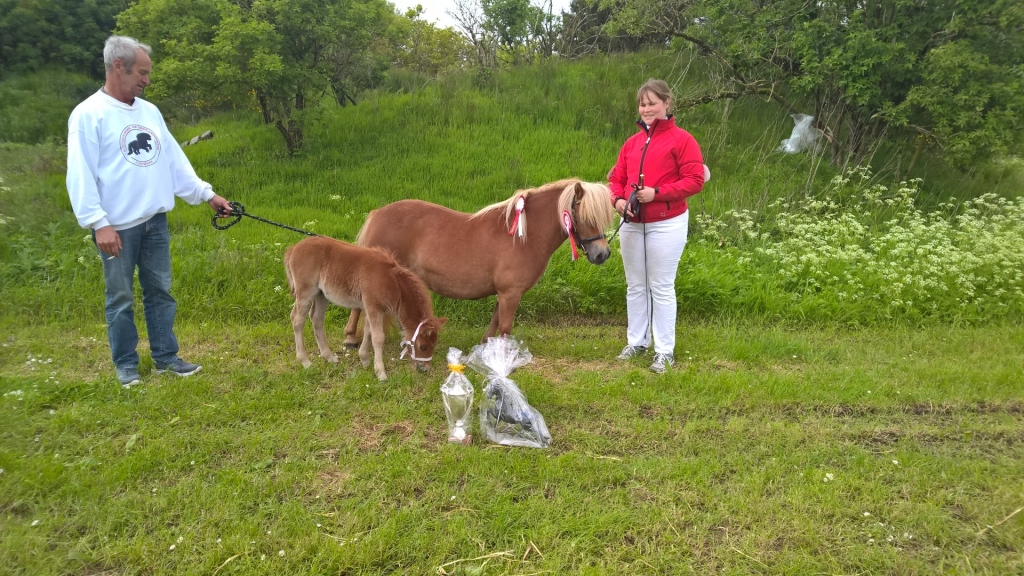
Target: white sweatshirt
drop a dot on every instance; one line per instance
(124, 165)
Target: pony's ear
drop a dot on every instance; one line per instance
(441, 321)
(578, 191)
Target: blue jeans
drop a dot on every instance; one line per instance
(148, 247)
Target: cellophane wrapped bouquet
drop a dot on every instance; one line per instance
(505, 415)
(457, 395)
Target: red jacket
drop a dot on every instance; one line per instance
(672, 164)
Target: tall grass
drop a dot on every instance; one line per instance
(464, 141)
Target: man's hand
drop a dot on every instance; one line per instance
(109, 241)
(220, 205)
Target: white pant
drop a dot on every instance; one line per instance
(650, 255)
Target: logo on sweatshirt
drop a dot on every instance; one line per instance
(140, 145)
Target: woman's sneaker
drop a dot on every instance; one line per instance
(178, 367)
(128, 376)
(630, 352)
(662, 362)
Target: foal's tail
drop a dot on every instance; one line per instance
(288, 269)
(366, 225)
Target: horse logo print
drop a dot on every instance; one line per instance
(140, 145)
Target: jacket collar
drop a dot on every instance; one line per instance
(659, 124)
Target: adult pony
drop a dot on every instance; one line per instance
(470, 256)
(321, 269)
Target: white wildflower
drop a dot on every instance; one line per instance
(829, 477)
(280, 553)
(35, 523)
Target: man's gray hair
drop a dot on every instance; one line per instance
(122, 48)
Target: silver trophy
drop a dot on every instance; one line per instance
(457, 395)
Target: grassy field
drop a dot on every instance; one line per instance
(801, 432)
(766, 451)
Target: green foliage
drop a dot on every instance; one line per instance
(69, 34)
(948, 71)
(35, 107)
(860, 252)
(281, 56)
(426, 49)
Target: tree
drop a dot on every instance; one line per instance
(507, 30)
(280, 56)
(425, 48)
(948, 71)
(55, 33)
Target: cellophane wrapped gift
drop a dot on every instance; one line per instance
(457, 395)
(505, 415)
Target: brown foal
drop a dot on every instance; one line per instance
(322, 270)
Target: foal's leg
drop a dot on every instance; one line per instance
(364, 347)
(373, 329)
(299, 310)
(352, 329)
(317, 314)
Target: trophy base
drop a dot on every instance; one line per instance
(466, 441)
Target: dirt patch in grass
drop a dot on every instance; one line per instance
(370, 436)
(560, 369)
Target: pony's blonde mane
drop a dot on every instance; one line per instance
(594, 208)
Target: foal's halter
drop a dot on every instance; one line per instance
(410, 345)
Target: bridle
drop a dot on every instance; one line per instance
(575, 233)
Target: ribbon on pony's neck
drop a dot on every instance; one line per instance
(567, 223)
(410, 345)
(519, 223)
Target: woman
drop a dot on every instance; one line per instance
(658, 169)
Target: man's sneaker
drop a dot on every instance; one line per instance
(631, 351)
(128, 376)
(179, 367)
(662, 362)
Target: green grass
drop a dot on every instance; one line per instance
(719, 466)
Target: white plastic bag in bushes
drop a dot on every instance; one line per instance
(803, 137)
(505, 415)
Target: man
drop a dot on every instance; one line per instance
(124, 170)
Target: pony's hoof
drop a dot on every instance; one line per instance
(351, 345)
(306, 363)
(365, 363)
(382, 377)
(333, 359)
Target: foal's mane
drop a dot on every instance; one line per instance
(414, 289)
(594, 209)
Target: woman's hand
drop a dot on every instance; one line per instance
(622, 207)
(645, 194)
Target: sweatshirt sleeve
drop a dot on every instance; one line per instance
(83, 161)
(187, 184)
(690, 176)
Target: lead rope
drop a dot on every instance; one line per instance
(237, 211)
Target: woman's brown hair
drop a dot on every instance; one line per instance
(657, 87)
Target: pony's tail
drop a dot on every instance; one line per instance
(288, 270)
(362, 231)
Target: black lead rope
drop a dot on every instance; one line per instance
(632, 205)
(237, 211)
